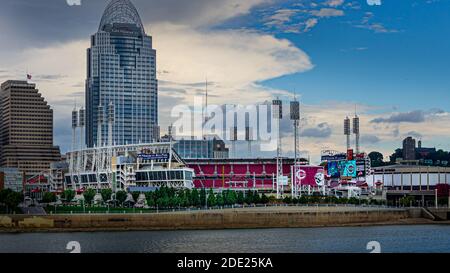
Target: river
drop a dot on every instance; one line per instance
(392, 239)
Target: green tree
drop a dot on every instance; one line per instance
(163, 202)
(195, 198)
(240, 198)
(219, 200)
(151, 202)
(249, 197)
(398, 154)
(188, 193)
(225, 197)
(203, 197)
(377, 159)
(212, 202)
(89, 195)
(264, 199)
(68, 195)
(173, 202)
(303, 200)
(407, 201)
(353, 201)
(232, 197)
(287, 200)
(49, 197)
(106, 194)
(3, 194)
(121, 196)
(135, 196)
(150, 196)
(184, 199)
(256, 198)
(13, 199)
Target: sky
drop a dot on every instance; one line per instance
(387, 59)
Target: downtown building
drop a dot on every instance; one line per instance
(121, 80)
(26, 129)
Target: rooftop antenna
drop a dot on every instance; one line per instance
(206, 99)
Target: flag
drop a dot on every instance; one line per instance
(29, 77)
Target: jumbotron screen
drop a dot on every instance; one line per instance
(349, 169)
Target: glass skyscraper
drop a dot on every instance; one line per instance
(121, 64)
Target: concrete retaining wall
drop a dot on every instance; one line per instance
(204, 220)
(441, 214)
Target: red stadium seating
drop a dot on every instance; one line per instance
(241, 174)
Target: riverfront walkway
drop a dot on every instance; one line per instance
(292, 209)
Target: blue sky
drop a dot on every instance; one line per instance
(406, 68)
(392, 58)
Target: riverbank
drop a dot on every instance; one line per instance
(248, 218)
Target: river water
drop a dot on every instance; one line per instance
(392, 239)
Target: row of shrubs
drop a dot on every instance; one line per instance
(331, 200)
(165, 197)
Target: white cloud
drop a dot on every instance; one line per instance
(367, 23)
(280, 17)
(235, 60)
(327, 12)
(56, 69)
(198, 13)
(310, 23)
(73, 2)
(335, 3)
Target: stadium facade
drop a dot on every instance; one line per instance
(136, 167)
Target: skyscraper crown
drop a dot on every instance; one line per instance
(122, 12)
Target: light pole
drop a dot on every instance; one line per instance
(436, 198)
(206, 195)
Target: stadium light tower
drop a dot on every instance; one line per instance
(249, 139)
(101, 120)
(347, 132)
(74, 127)
(81, 124)
(277, 112)
(356, 132)
(74, 139)
(234, 138)
(110, 123)
(295, 117)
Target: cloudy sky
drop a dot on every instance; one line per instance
(389, 60)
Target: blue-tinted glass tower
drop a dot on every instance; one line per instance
(121, 74)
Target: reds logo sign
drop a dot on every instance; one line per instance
(351, 169)
(299, 176)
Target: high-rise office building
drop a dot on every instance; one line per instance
(26, 129)
(122, 73)
(409, 148)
